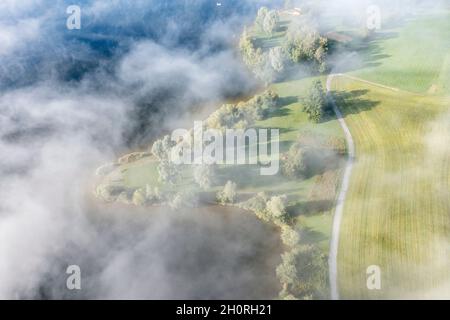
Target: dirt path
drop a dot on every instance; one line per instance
(334, 245)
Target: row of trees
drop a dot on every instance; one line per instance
(267, 20)
(304, 44)
(154, 196)
(269, 209)
(168, 172)
(301, 44)
(302, 272)
(244, 114)
(266, 66)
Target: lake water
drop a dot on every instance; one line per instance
(155, 253)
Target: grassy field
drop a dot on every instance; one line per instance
(396, 214)
(410, 56)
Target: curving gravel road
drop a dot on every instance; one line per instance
(332, 260)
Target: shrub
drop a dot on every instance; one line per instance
(152, 194)
(303, 43)
(270, 22)
(139, 198)
(161, 148)
(276, 208)
(204, 176)
(294, 163)
(184, 199)
(108, 193)
(290, 236)
(287, 270)
(257, 205)
(168, 172)
(261, 17)
(228, 194)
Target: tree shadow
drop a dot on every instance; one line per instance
(360, 52)
(353, 102)
(285, 101)
(310, 208)
(311, 236)
(279, 112)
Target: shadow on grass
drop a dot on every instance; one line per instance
(285, 101)
(360, 53)
(311, 237)
(353, 102)
(310, 208)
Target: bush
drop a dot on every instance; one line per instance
(168, 172)
(270, 22)
(184, 199)
(108, 193)
(204, 176)
(314, 276)
(294, 163)
(124, 197)
(304, 44)
(228, 194)
(152, 194)
(161, 148)
(287, 270)
(139, 198)
(290, 236)
(261, 17)
(257, 205)
(244, 114)
(276, 208)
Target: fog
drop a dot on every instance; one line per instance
(71, 100)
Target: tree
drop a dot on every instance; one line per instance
(270, 22)
(161, 148)
(184, 199)
(257, 204)
(203, 176)
(303, 43)
(320, 55)
(294, 164)
(139, 198)
(276, 208)
(290, 236)
(277, 59)
(261, 17)
(108, 192)
(228, 194)
(152, 194)
(168, 172)
(315, 103)
(287, 270)
(312, 272)
(124, 197)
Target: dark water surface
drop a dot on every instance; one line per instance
(155, 253)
